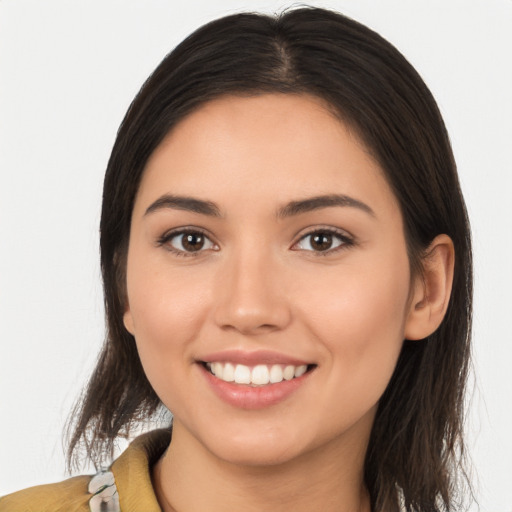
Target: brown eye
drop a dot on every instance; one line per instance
(192, 241)
(322, 241)
(189, 242)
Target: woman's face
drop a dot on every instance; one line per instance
(266, 242)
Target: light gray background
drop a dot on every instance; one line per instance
(68, 71)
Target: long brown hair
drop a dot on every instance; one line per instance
(416, 445)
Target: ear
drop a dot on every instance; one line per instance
(128, 320)
(431, 292)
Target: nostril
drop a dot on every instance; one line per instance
(246, 326)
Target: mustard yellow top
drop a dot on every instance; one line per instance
(132, 474)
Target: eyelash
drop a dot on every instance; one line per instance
(166, 238)
(345, 240)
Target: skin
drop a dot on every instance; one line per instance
(258, 283)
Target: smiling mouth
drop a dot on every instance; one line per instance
(258, 375)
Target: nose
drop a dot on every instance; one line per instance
(251, 295)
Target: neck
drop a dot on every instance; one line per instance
(190, 478)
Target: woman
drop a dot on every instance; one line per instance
(287, 269)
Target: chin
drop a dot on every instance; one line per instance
(253, 447)
(257, 455)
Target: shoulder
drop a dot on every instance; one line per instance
(71, 495)
(127, 484)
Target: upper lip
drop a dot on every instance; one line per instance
(252, 358)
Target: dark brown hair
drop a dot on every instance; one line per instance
(416, 445)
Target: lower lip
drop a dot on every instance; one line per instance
(248, 397)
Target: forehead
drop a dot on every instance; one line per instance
(273, 146)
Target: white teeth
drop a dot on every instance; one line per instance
(242, 374)
(300, 370)
(259, 375)
(276, 374)
(289, 372)
(217, 369)
(229, 373)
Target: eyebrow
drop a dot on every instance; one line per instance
(209, 208)
(184, 203)
(318, 202)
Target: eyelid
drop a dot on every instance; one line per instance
(346, 238)
(164, 240)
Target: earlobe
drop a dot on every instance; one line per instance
(128, 321)
(432, 290)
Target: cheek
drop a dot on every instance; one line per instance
(166, 311)
(158, 297)
(359, 314)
